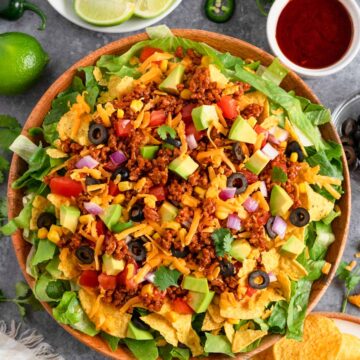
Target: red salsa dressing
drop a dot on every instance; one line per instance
(314, 33)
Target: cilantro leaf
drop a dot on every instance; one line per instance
(9, 130)
(351, 279)
(278, 175)
(164, 277)
(164, 131)
(222, 239)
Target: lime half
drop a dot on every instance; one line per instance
(105, 13)
(151, 8)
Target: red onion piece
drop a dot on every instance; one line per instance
(279, 226)
(272, 277)
(150, 277)
(191, 141)
(270, 151)
(279, 133)
(263, 189)
(227, 193)
(87, 161)
(93, 208)
(250, 204)
(233, 222)
(118, 157)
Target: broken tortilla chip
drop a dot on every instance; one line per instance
(318, 206)
(242, 339)
(229, 331)
(350, 348)
(270, 260)
(68, 264)
(355, 300)
(209, 324)
(292, 268)
(285, 285)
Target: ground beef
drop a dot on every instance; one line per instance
(174, 292)
(252, 110)
(155, 301)
(117, 248)
(177, 189)
(254, 224)
(167, 239)
(151, 214)
(119, 296)
(199, 178)
(185, 215)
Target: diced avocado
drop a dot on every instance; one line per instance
(69, 217)
(198, 301)
(149, 151)
(203, 116)
(45, 251)
(257, 162)
(240, 249)
(53, 268)
(138, 334)
(184, 166)
(111, 266)
(195, 284)
(175, 78)
(111, 215)
(168, 212)
(280, 201)
(217, 76)
(242, 131)
(293, 247)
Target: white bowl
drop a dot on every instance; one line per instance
(354, 12)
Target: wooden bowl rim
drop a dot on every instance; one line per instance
(339, 316)
(97, 343)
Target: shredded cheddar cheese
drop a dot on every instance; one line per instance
(193, 227)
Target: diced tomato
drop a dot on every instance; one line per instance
(280, 164)
(110, 166)
(123, 128)
(191, 129)
(125, 278)
(250, 177)
(262, 218)
(186, 112)
(158, 192)
(89, 278)
(250, 291)
(228, 105)
(65, 186)
(113, 189)
(100, 228)
(147, 52)
(157, 118)
(107, 282)
(261, 130)
(181, 307)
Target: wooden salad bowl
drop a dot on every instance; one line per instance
(225, 44)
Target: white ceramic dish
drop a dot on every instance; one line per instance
(348, 327)
(65, 8)
(354, 12)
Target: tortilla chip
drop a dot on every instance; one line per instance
(355, 300)
(106, 317)
(187, 335)
(321, 341)
(298, 232)
(285, 285)
(244, 338)
(120, 86)
(56, 153)
(164, 327)
(350, 348)
(255, 97)
(209, 324)
(318, 206)
(66, 123)
(229, 331)
(292, 268)
(38, 205)
(270, 260)
(68, 264)
(214, 312)
(248, 266)
(248, 307)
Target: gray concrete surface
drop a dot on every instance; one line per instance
(67, 43)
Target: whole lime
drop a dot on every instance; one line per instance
(22, 59)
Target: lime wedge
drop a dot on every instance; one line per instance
(105, 13)
(151, 8)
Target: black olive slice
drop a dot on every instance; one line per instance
(180, 253)
(137, 213)
(268, 227)
(350, 156)
(299, 217)
(294, 147)
(123, 172)
(135, 318)
(237, 151)
(345, 140)
(348, 127)
(258, 279)
(175, 142)
(237, 181)
(137, 249)
(85, 254)
(91, 181)
(45, 220)
(98, 134)
(356, 136)
(227, 268)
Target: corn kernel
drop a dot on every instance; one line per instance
(120, 113)
(186, 94)
(233, 321)
(222, 215)
(148, 289)
(294, 157)
(172, 225)
(326, 268)
(190, 201)
(302, 188)
(86, 219)
(150, 201)
(136, 105)
(118, 199)
(283, 144)
(125, 185)
(42, 233)
(156, 236)
(54, 233)
(200, 191)
(351, 266)
(164, 65)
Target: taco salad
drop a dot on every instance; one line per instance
(179, 201)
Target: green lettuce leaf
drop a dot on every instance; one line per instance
(143, 349)
(275, 72)
(111, 341)
(218, 344)
(278, 318)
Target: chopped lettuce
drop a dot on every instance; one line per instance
(275, 72)
(23, 147)
(277, 319)
(143, 349)
(70, 312)
(45, 251)
(111, 341)
(159, 32)
(217, 344)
